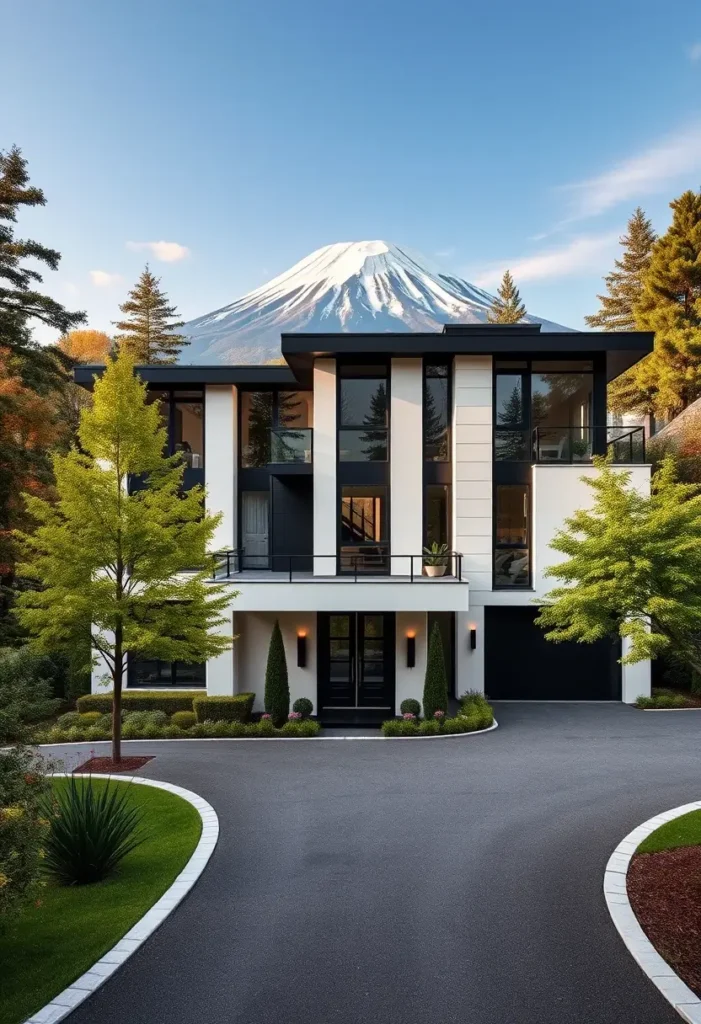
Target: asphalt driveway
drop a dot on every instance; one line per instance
(413, 883)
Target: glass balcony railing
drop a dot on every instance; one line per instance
(580, 444)
(291, 446)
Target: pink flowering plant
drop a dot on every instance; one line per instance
(408, 717)
(266, 717)
(439, 715)
(294, 716)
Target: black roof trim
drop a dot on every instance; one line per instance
(186, 376)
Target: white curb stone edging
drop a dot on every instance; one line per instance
(65, 1002)
(675, 991)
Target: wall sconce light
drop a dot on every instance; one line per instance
(410, 650)
(302, 648)
(473, 638)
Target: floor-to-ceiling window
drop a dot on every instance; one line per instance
(511, 536)
(436, 452)
(363, 529)
(363, 413)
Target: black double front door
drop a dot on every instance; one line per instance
(356, 663)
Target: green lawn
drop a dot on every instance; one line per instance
(48, 947)
(684, 831)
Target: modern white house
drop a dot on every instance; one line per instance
(334, 472)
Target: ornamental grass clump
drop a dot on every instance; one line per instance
(91, 831)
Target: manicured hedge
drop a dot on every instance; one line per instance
(302, 729)
(224, 709)
(141, 700)
(664, 700)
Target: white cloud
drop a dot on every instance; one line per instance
(101, 279)
(167, 252)
(695, 51)
(677, 156)
(583, 254)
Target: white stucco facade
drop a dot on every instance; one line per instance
(221, 428)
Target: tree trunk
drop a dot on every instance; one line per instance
(117, 697)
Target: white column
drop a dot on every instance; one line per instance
(325, 502)
(220, 670)
(469, 664)
(406, 462)
(472, 470)
(636, 680)
(410, 681)
(220, 460)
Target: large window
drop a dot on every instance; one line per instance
(436, 412)
(363, 413)
(182, 414)
(256, 425)
(275, 427)
(511, 542)
(543, 410)
(154, 673)
(363, 530)
(437, 515)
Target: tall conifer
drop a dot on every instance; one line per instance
(149, 325)
(625, 284)
(507, 307)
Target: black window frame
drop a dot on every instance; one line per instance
(503, 546)
(172, 685)
(344, 371)
(192, 399)
(445, 364)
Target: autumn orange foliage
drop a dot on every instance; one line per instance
(86, 346)
(29, 428)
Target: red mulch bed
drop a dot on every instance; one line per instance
(665, 892)
(105, 765)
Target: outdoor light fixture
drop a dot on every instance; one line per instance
(473, 638)
(302, 648)
(410, 650)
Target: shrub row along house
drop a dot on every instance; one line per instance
(378, 484)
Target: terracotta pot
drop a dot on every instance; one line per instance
(435, 570)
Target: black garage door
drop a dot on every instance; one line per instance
(520, 664)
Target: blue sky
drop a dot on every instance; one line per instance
(248, 133)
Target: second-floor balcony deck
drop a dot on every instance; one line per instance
(349, 581)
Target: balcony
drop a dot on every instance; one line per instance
(568, 445)
(291, 447)
(348, 581)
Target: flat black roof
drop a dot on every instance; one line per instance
(622, 349)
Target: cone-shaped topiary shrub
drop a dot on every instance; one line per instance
(435, 685)
(277, 690)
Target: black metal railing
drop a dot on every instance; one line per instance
(568, 445)
(346, 565)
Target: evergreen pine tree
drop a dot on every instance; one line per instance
(277, 690)
(506, 307)
(149, 325)
(625, 284)
(33, 377)
(435, 697)
(669, 379)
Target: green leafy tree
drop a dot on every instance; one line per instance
(669, 379)
(506, 307)
(435, 697)
(149, 323)
(624, 285)
(277, 690)
(119, 560)
(632, 567)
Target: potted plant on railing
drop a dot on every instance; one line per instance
(580, 450)
(436, 559)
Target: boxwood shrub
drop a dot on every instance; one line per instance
(140, 700)
(183, 719)
(224, 709)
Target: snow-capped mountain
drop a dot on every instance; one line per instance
(347, 286)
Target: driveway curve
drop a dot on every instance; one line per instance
(412, 883)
